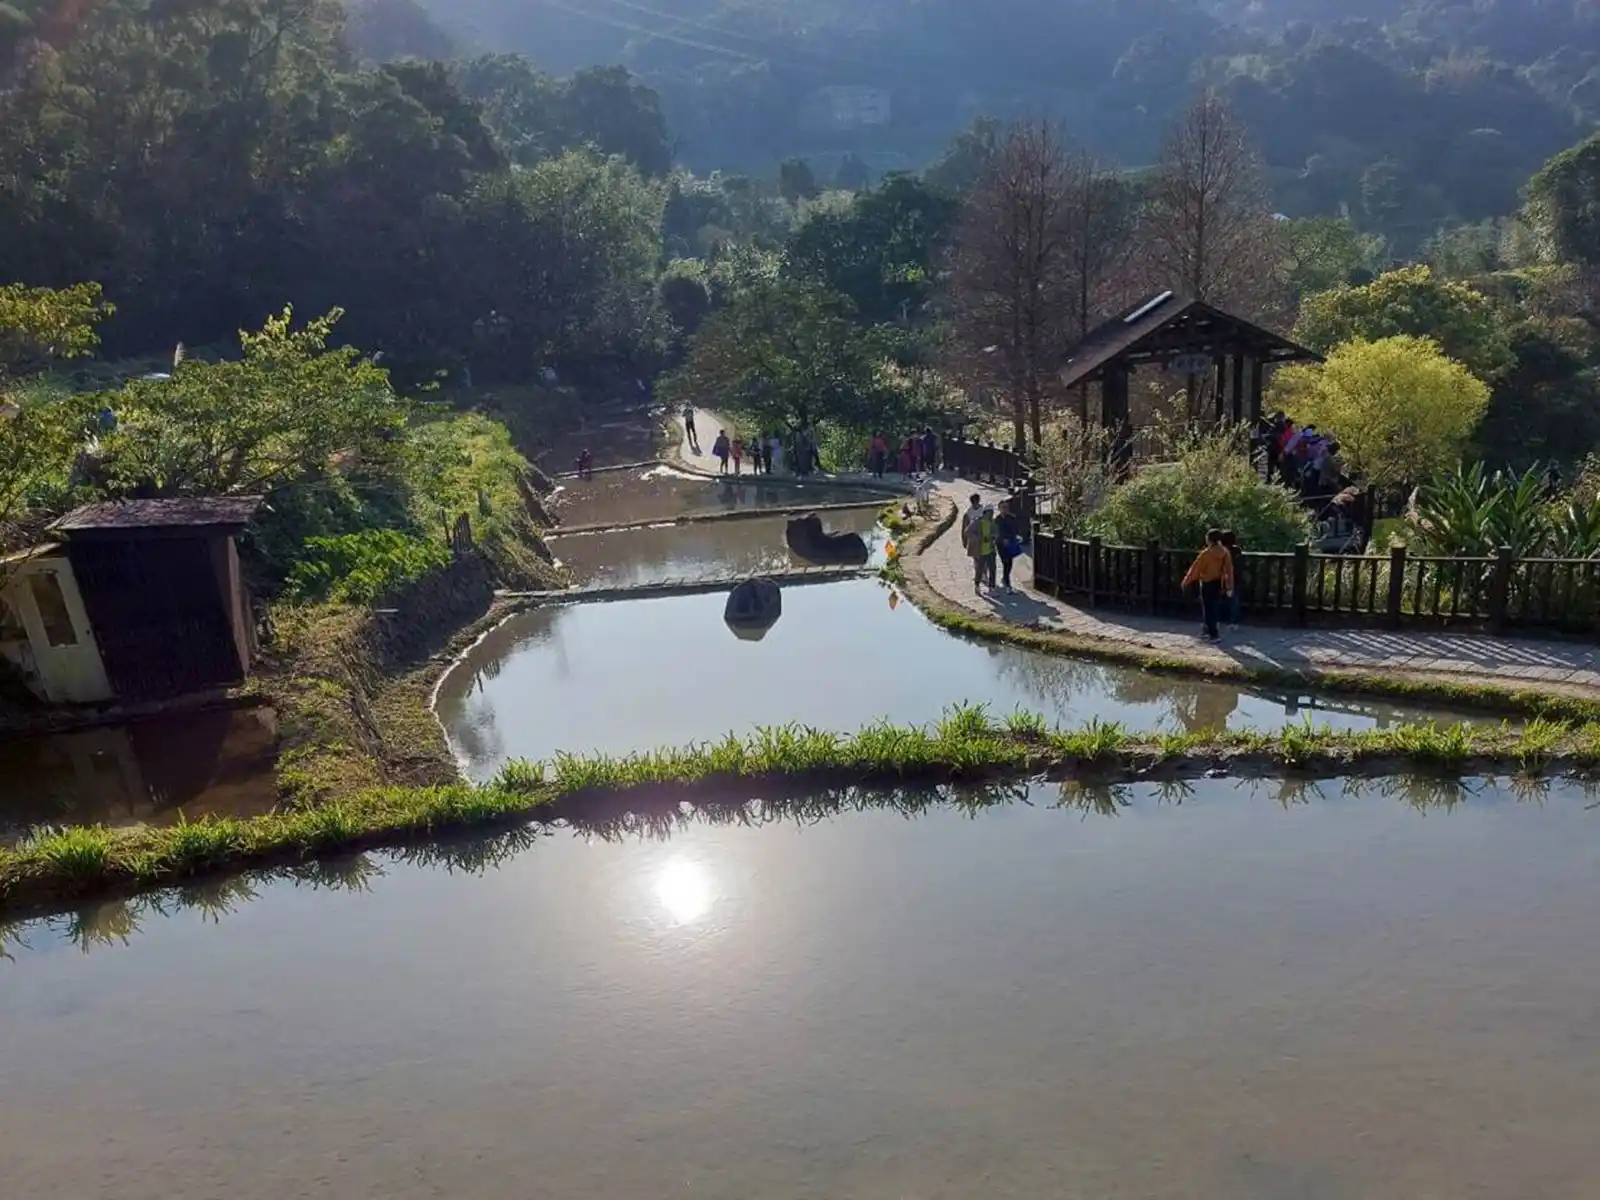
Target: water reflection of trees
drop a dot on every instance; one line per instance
(117, 922)
(1054, 683)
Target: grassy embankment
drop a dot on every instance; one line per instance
(62, 866)
(1547, 701)
(351, 668)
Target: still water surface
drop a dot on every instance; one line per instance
(1346, 999)
(644, 673)
(710, 550)
(663, 494)
(213, 763)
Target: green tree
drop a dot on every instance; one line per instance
(1325, 253)
(1412, 300)
(966, 160)
(791, 356)
(1400, 409)
(1548, 406)
(1563, 205)
(279, 413)
(558, 266)
(38, 325)
(879, 252)
(607, 108)
(796, 180)
(41, 435)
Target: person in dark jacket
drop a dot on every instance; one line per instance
(1233, 603)
(1008, 541)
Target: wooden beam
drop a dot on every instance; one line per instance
(1258, 374)
(1238, 388)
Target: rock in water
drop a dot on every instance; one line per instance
(754, 607)
(809, 540)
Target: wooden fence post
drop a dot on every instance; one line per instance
(1397, 584)
(1500, 589)
(1094, 571)
(1152, 563)
(1302, 568)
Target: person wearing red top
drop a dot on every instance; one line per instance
(877, 455)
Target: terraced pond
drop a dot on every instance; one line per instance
(1219, 992)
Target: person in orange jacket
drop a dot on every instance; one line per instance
(1213, 571)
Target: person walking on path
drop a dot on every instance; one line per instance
(774, 454)
(877, 455)
(1212, 569)
(737, 451)
(974, 511)
(689, 429)
(930, 450)
(1008, 540)
(719, 450)
(1235, 601)
(979, 535)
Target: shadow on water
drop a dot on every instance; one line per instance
(623, 819)
(218, 762)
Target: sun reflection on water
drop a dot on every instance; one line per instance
(684, 890)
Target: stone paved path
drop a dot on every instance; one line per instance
(1516, 662)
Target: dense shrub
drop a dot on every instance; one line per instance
(360, 568)
(1212, 485)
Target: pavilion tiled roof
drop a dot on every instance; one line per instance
(1166, 325)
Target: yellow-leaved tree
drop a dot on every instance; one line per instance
(1400, 410)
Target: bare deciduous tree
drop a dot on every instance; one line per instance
(1009, 293)
(1102, 211)
(1208, 231)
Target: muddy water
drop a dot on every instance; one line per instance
(663, 494)
(146, 773)
(713, 549)
(645, 673)
(1345, 999)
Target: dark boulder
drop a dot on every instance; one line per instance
(753, 607)
(809, 540)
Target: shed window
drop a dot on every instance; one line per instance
(53, 614)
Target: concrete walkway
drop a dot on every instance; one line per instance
(1508, 662)
(707, 423)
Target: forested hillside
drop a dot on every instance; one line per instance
(1407, 115)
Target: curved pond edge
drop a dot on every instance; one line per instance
(1551, 701)
(60, 869)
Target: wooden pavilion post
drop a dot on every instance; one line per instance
(1238, 386)
(1258, 374)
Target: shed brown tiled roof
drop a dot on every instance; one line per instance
(185, 512)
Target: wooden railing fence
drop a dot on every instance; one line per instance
(1397, 590)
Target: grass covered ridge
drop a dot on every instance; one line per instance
(57, 867)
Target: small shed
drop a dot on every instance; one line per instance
(161, 586)
(1192, 337)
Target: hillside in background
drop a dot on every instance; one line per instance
(1408, 116)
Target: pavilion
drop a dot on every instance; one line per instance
(1189, 337)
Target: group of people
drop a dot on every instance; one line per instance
(766, 452)
(987, 535)
(918, 452)
(1302, 457)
